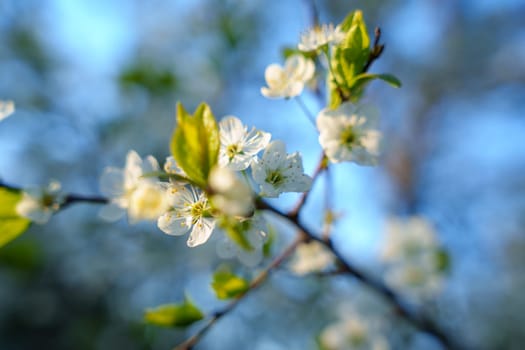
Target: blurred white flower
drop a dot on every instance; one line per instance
(277, 172)
(171, 167)
(319, 36)
(230, 195)
(311, 257)
(253, 231)
(39, 204)
(238, 145)
(120, 186)
(189, 211)
(414, 257)
(288, 81)
(148, 201)
(353, 333)
(6, 109)
(348, 133)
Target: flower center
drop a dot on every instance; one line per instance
(274, 177)
(348, 137)
(232, 151)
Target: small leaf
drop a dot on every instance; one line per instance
(442, 260)
(195, 143)
(174, 315)
(349, 59)
(358, 84)
(11, 224)
(227, 285)
(390, 79)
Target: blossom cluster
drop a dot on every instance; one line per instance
(347, 132)
(416, 263)
(228, 201)
(353, 331)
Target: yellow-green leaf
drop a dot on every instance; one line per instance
(173, 315)
(349, 59)
(227, 285)
(195, 143)
(11, 224)
(443, 261)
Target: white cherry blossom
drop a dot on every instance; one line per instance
(413, 256)
(311, 257)
(39, 204)
(6, 109)
(353, 332)
(189, 212)
(128, 190)
(320, 36)
(238, 145)
(230, 195)
(288, 81)
(277, 172)
(350, 133)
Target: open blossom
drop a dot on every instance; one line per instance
(189, 211)
(143, 197)
(39, 204)
(231, 196)
(353, 333)
(320, 36)
(238, 145)
(348, 133)
(6, 109)
(277, 172)
(288, 81)
(414, 257)
(311, 257)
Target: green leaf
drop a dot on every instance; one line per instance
(358, 84)
(349, 58)
(227, 285)
(145, 74)
(11, 224)
(443, 260)
(195, 143)
(362, 79)
(173, 315)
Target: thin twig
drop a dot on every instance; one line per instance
(377, 50)
(68, 199)
(257, 281)
(418, 320)
(306, 111)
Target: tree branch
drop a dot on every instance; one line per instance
(417, 319)
(68, 199)
(377, 50)
(257, 281)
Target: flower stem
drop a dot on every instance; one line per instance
(305, 109)
(257, 281)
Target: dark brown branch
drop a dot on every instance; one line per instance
(376, 51)
(68, 199)
(417, 319)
